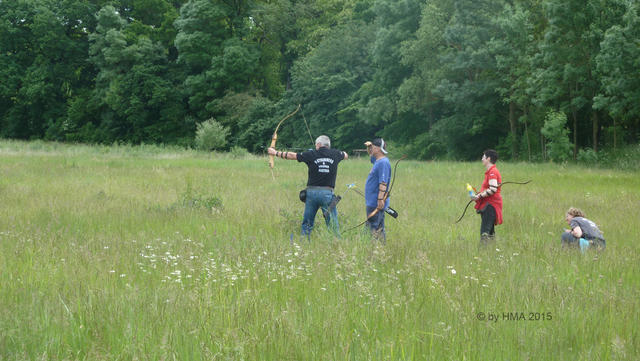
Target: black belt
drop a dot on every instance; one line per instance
(320, 187)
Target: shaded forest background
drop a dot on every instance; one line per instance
(439, 79)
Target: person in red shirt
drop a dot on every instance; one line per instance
(489, 200)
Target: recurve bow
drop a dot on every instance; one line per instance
(274, 138)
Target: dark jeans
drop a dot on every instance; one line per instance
(376, 224)
(568, 240)
(488, 226)
(319, 199)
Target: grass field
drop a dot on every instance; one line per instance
(145, 253)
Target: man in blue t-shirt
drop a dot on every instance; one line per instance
(376, 196)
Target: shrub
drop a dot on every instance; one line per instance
(624, 158)
(211, 135)
(556, 132)
(588, 156)
(190, 199)
(239, 152)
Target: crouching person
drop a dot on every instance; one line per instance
(583, 233)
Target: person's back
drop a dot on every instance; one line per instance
(590, 230)
(322, 166)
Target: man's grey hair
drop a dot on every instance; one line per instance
(324, 141)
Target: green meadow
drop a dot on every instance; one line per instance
(150, 253)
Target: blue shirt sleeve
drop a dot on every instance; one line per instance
(384, 176)
(380, 173)
(384, 172)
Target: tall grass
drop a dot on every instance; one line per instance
(150, 253)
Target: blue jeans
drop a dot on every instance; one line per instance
(569, 240)
(376, 224)
(319, 198)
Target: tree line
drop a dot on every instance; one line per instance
(436, 78)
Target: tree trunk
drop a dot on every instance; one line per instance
(543, 147)
(514, 135)
(615, 138)
(430, 117)
(595, 131)
(526, 131)
(575, 135)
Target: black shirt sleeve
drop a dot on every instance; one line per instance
(305, 157)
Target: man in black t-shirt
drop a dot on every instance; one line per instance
(323, 169)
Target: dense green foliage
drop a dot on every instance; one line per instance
(554, 130)
(437, 78)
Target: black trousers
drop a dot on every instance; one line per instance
(488, 215)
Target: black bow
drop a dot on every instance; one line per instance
(499, 185)
(385, 196)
